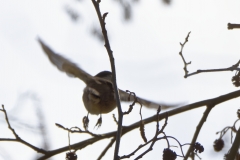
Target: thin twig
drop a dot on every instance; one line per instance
(110, 54)
(107, 148)
(180, 53)
(143, 145)
(152, 141)
(233, 26)
(142, 127)
(135, 100)
(235, 146)
(180, 145)
(165, 124)
(17, 138)
(137, 149)
(232, 68)
(225, 129)
(78, 130)
(155, 138)
(114, 119)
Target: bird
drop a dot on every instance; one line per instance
(98, 95)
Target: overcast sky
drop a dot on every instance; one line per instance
(147, 62)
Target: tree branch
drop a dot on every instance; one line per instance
(135, 125)
(199, 126)
(232, 68)
(110, 54)
(17, 138)
(233, 26)
(126, 129)
(107, 148)
(235, 146)
(180, 53)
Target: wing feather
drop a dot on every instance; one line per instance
(65, 65)
(124, 96)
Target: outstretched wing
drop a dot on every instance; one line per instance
(64, 64)
(73, 70)
(124, 96)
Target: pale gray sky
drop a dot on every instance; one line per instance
(147, 62)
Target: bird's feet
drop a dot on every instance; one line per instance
(99, 122)
(85, 122)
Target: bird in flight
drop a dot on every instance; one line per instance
(98, 95)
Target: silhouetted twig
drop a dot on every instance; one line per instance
(232, 68)
(110, 54)
(152, 141)
(107, 148)
(76, 130)
(181, 54)
(155, 138)
(135, 100)
(17, 138)
(126, 129)
(114, 119)
(187, 74)
(235, 146)
(198, 129)
(233, 26)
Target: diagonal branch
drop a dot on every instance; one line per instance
(161, 116)
(17, 138)
(198, 128)
(107, 148)
(126, 129)
(235, 146)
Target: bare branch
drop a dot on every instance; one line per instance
(76, 130)
(235, 146)
(161, 116)
(180, 53)
(126, 129)
(17, 138)
(114, 119)
(233, 26)
(187, 74)
(155, 138)
(110, 54)
(199, 126)
(232, 68)
(107, 148)
(152, 141)
(135, 100)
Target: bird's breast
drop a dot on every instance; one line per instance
(99, 98)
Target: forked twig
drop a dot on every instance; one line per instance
(77, 130)
(187, 74)
(17, 138)
(180, 53)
